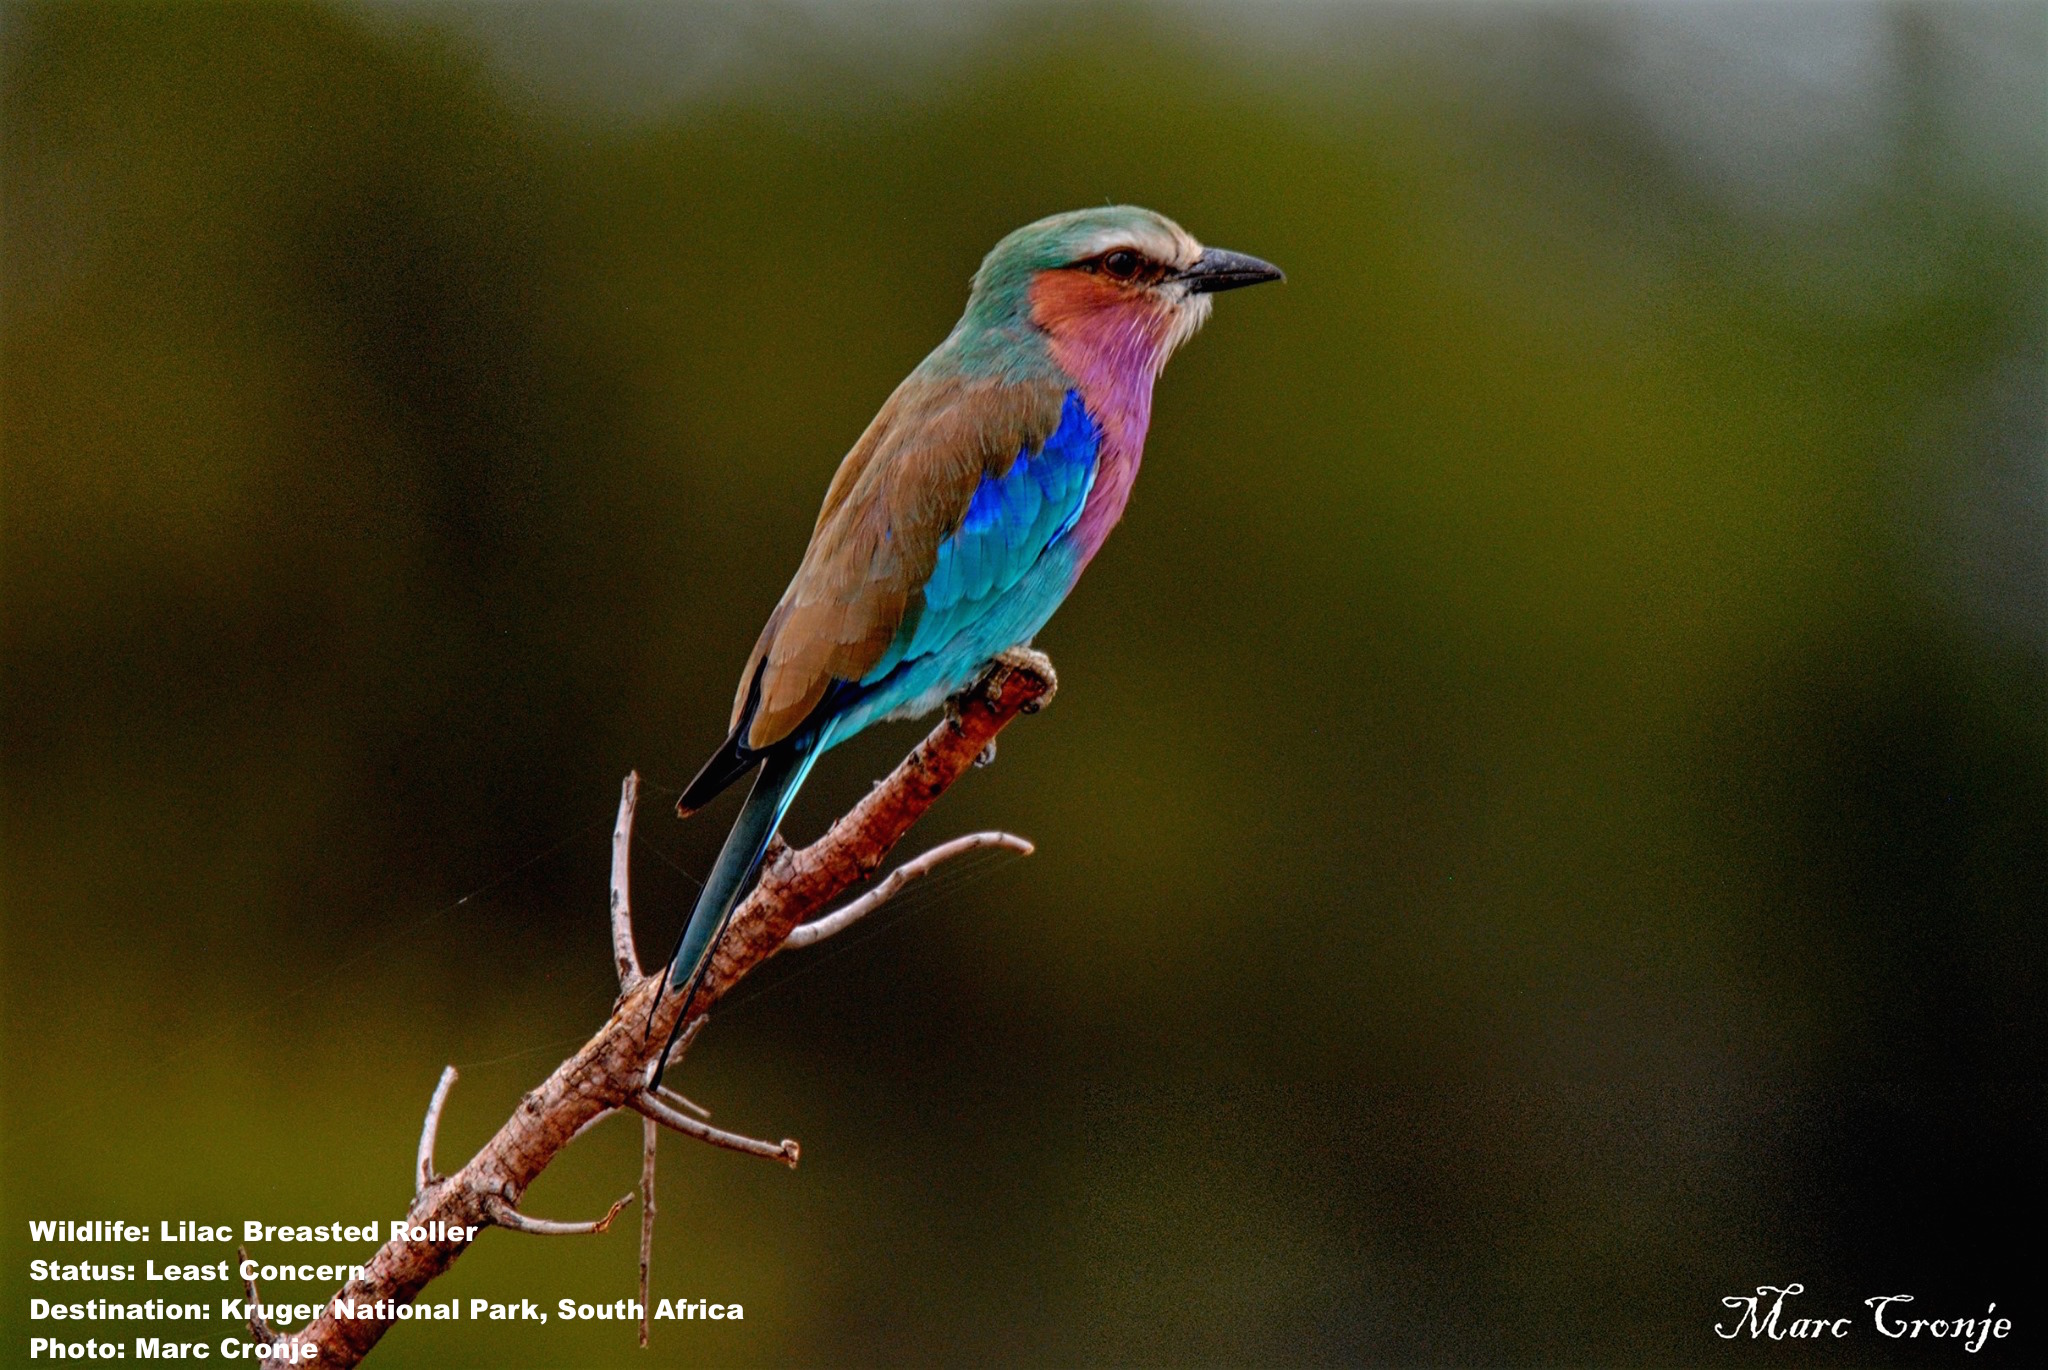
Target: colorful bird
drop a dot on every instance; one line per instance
(965, 512)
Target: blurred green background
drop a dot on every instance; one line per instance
(1544, 826)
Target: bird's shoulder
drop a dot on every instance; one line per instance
(940, 431)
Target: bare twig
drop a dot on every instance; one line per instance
(675, 1100)
(260, 1330)
(611, 1070)
(650, 1137)
(624, 959)
(669, 1096)
(839, 920)
(593, 1121)
(688, 1035)
(430, 1130)
(659, 1109)
(511, 1219)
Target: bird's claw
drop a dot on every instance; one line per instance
(1022, 659)
(989, 688)
(988, 754)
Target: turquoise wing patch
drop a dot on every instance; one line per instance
(1012, 524)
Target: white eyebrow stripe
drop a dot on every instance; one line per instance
(1160, 247)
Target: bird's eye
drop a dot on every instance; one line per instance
(1122, 263)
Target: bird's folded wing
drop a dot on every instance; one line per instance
(1012, 519)
(891, 515)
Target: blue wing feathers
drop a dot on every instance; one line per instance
(1026, 500)
(996, 579)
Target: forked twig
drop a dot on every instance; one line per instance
(661, 1110)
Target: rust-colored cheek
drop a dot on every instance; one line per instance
(1060, 299)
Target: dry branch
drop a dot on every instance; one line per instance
(511, 1219)
(260, 1330)
(610, 1071)
(839, 920)
(656, 1104)
(650, 1133)
(624, 959)
(430, 1131)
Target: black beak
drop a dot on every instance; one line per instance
(1219, 270)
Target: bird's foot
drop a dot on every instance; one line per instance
(988, 755)
(1021, 659)
(989, 687)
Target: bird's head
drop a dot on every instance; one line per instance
(1118, 285)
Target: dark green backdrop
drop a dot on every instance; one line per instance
(1543, 826)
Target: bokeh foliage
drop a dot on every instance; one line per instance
(1544, 822)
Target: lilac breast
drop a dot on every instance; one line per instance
(1113, 360)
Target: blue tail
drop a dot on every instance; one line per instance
(783, 772)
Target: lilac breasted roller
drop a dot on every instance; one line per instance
(965, 513)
